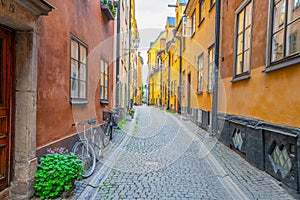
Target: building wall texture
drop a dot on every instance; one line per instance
(55, 113)
(261, 109)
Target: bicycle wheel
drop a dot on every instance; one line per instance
(105, 135)
(85, 152)
(111, 128)
(97, 144)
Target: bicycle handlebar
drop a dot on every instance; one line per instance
(92, 121)
(89, 121)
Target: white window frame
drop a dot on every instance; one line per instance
(200, 73)
(80, 60)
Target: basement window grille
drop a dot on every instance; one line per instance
(237, 139)
(281, 160)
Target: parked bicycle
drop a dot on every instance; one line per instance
(110, 126)
(88, 148)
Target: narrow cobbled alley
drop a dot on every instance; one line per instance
(160, 155)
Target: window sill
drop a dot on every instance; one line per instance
(104, 101)
(78, 102)
(202, 20)
(211, 7)
(241, 77)
(282, 64)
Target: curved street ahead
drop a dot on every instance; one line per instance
(159, 155)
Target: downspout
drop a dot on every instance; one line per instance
(169, 66)
(216, 70)
(129, 55)
(118, 58)
(180, 75)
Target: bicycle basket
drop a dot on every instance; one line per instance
(106, 116)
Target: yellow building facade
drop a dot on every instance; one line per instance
(198, 61)
(154, 78)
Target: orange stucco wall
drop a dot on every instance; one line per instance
(84, 20)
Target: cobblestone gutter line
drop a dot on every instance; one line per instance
(225, 180)
(90, 192)
(254, 183)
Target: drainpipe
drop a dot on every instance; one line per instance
(180, 75)
(129, 55)
(161, 86)
(214, 129)
(169, 66)
(118, 57)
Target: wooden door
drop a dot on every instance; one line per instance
(5, 106)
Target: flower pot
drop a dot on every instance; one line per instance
(107, 12)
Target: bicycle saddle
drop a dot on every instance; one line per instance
(92, 121)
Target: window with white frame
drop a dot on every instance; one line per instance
(285, 38)
(211, 64)
(201, 10)
(200, 72)
(103, 80)
(193, 23)
(243, 38)
(78, 89)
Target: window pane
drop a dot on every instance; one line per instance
(241, 16)
(74, 49)
(83, 72)
(101, 92)
(248, 15)
(293, 38)
(240, 44)
(74, 69)
(106, 81)
(82, 54)
(239, 64)
(279, 16)
(296, 4)
(201, 10)
(277, 46)
(102, 81)
(246, 64)
(247, 38)
(105, 93)
(82, 89)
(293, 12)
(74, 88)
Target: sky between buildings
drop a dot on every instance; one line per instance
(151, 16)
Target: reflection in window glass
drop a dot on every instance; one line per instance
(286, 23)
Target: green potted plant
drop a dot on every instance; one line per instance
(56, 173)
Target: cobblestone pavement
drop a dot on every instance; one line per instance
(161, 156)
